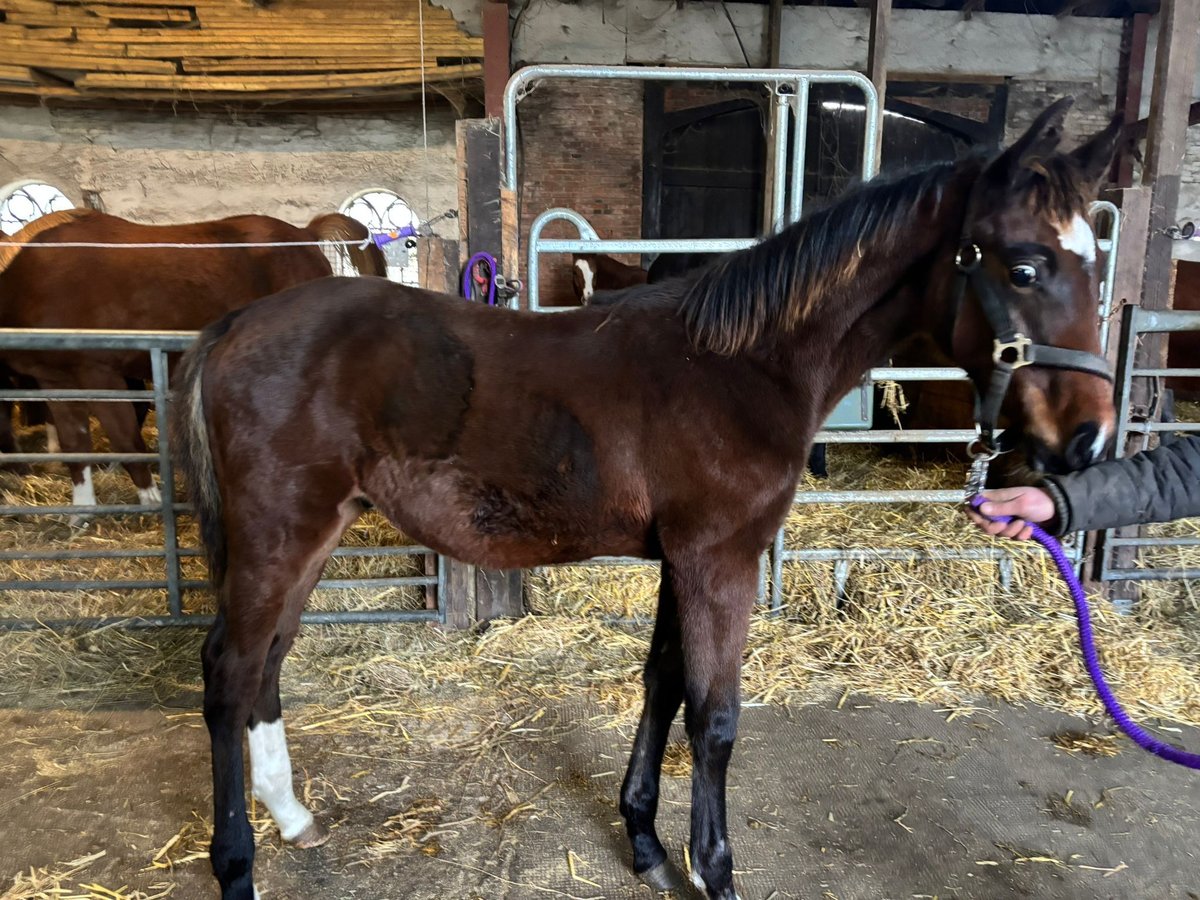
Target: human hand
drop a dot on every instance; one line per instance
(1023, 504)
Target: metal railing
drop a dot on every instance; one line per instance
(790, 89)
(1116, 565)
(171, 581)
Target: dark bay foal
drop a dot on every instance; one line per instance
(672, 424)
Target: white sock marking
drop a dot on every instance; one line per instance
(1079, 239)
(84, 494)
(150, 496)
(271, 779)
(52, 444)
(589, 278)
(699, 882)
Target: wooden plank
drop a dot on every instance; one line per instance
(459, 595)
(40, 32)
(499, 594)
(15, 73)
(409, 51)
(38, 90)
(65, 59)
(99, 80)
(881, 19)
(141, 13)
(285, 64)
(60, 19)
(302, 34)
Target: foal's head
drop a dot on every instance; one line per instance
(1029, 254)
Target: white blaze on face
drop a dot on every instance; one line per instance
(1099, 443)
(84, 494)
(1077, 237)
(589, 278)
(271, 779)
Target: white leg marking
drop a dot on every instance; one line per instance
(150, 496)
(271, 779)
(699, 882)
(255, 891)
(84, 494)
(1078, 238)
(52, 444)
(589, 278)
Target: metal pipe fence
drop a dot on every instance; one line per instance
(171, 581)
(1116, 565)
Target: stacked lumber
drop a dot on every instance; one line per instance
(228, 50)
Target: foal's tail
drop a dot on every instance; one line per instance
(193, 454)
(337, 227)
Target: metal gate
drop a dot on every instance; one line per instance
(170, 581)
(1122, 557)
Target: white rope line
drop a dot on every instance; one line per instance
(182, 246)
(424, 118)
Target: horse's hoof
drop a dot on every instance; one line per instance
(663, 877)
(313, 836)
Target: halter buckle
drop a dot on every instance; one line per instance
(1014, 353)
(968, 258)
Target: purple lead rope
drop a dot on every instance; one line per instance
(1087, 641)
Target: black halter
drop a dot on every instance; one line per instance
(1011, 350)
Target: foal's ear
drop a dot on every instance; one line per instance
(1095, 155)
(1038, 142)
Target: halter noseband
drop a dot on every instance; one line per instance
(1011, 350)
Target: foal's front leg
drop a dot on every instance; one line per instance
(715, 593)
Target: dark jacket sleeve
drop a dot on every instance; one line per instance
(1153, 486)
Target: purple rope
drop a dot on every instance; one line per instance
(1139, 735)
(490, 261)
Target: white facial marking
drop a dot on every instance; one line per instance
(1099, 443)
(589, 279)
(1079, 239)
(84, 494)
(271, 779)
(52, 444)
(150, 496)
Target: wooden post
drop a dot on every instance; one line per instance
(1174, 77)
(474, 594)
(881, 18)
(1129, 90)
(774, 41)
(496, 56)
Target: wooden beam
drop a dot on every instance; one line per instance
(497, 62)
(1174, 77)
(16, 73)
(1129, 91)
(66, 58)
(881, 18)
(202, 83)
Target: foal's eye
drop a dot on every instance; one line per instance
(1023, 275)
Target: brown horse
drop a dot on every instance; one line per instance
(592, 272)
(672, 424)
(158, 289)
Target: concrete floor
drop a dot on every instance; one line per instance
(873, 800)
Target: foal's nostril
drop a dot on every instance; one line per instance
(1086, 446)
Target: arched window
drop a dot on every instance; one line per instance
(23, 201)
(383, 210)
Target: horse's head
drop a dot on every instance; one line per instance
(1025, 295)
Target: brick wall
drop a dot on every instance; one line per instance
(581, 147)
(1092, 111)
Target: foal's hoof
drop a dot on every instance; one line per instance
(663, 877)
(313, 836)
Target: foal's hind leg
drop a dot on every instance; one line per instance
(275, 558)
(663, 679)
(120, 422)
(270, 765)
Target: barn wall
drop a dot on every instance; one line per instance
(581, 148)
(158, 168)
